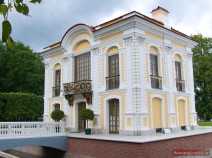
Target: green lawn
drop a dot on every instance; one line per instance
(205, 123)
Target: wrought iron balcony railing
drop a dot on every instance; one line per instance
(112, 82)
(156, 81)
(180, 84)
(56, 91)
(77, 87)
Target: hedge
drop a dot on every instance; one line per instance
(20, 107)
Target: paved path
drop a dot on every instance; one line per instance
(142, 139)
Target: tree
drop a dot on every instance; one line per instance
(86, 114)
(57, 115)
(7, 7)
(202, 63)
(21, 70)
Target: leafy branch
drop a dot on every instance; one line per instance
(6, 6)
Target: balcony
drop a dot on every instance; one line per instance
(112, 82)
(77, 87)
(82, 87)
(156, 82)
(180, 84)
(56, 91)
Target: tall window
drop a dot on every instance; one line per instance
(178, 70)
(82, 67)
(180, 83)
(56, 88)
(156, 81)
(154, 64)
(113, 71)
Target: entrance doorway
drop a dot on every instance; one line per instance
(114, 116)
(81, 123)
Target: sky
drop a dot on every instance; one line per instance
(49, 20)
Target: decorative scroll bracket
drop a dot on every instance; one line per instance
(88, 96)
(70, 99)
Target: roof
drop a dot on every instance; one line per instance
(121, 18)
(160, 8)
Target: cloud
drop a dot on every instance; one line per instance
(52, 18)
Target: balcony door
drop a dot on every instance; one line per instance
(114, 116)
(82, 67)
(81, 123)
(113, 71)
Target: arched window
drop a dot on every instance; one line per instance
(156, 80)
(82, 61)
(57, 80)
(112, 81)
(180, 83)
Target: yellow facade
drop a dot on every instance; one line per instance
(113, 50)
(178, 45)
(154, 36)
(111, 37)
(156, 113)
(181, 112)
(85, 34)
(164, 108)
(81, 46)
(57, 56)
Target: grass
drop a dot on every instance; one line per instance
(205, 123)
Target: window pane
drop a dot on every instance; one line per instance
(82, 67)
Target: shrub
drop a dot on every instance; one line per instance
(20, 107)
(57, 115)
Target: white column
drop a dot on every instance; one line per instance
(46, 92)
(170, 84)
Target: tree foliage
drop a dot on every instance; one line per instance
(57, 115)
(21, 70)
(5, 8)
(86, 114)
(202, 63)
(20, 107)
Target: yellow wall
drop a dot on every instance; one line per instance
(57, 66)
(154, 36)
(181, 112)
(121, 104)
(153, 50)
(149, 94)
(178, 45)
(57, 56)
(156, 110)
(80, 35)
(145, 122)
(112, 50)
(81, 46)
(188, 108)
(111, 37)
(129, 122)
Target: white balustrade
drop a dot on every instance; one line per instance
(31, 129)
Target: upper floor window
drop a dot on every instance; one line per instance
(82, 67)
(112, 81)
(180, 83)
(156, 80)
(57, 80)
